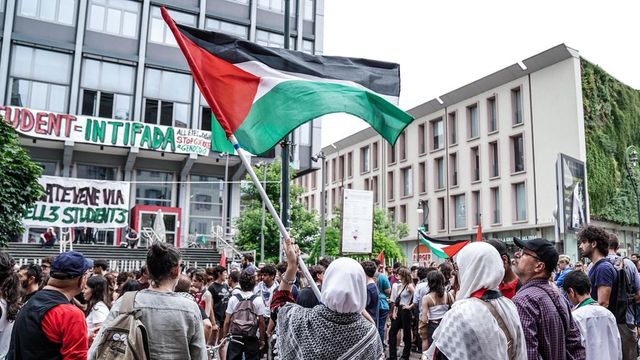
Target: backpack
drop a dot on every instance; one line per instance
(625, 295)
(244, 320)
(126, 337)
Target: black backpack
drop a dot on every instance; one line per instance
(625, 294)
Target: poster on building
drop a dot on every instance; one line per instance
(70, 202)
(572, 194)
(357, 221)
(108, 132)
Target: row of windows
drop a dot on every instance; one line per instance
(121, 17)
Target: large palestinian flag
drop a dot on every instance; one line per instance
(442, 248)
(261, 94)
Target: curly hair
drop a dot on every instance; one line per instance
(10, 288)
(591, 234)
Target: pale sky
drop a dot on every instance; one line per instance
(443, 45)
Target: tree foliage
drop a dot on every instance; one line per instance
(19, 187)
(385, 236)
(304, 224)
(612, 123)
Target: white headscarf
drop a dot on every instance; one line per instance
(468, 331)
(344, 287)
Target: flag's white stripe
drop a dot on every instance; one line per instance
(270, 77)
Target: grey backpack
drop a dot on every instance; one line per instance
(244, 320)
(126, 337)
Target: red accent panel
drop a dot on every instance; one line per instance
(228, 89)
(153, 208)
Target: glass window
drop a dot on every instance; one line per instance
(364, 159)
(48, 167)
(453, 129)
(205, 118)
(460, 211)
(57, 11)
(390, 185)
(518, 153)
(421, 139)
(43, 65)
(241, 31)
(159, 31)
(494, 158)
(453, 165)
(475, 197)
(117, 17)
(266, 38)
(108, 89)
(167, 85)
(402, 146)
(495, 205)
(95, 172)
(521, 203)
(154, 188)
(472, 117)
(437, 134)
(205, 204)
(441, 214)
(439, 173)
(407, 181)
(492, 114)
(422, 185)
(39, 96)
(309, 10)
(307, 47)
(516, 104)
(272, 5)
(374, 150)
(475, 164)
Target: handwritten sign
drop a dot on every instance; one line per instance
(70, 202)
(357, 221)
(109, 132)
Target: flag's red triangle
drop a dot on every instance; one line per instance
(381, 257)
(451, 250)
(223, 260)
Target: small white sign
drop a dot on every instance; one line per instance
(357, 221)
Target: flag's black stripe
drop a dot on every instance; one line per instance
(441, 242)
(378, 76)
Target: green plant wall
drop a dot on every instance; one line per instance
(612, 123)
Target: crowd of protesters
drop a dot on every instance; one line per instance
(485, 303)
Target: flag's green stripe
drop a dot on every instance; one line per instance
(219, 140)
(434, 249)
(293, 103)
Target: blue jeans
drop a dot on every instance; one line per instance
(382, 319)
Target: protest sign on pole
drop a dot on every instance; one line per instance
(70, 202)
(357, 222)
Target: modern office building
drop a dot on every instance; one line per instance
(116, 62)
(484, 153)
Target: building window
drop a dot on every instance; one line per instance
(272, 5)
(391, 212)
(308, 47)
(439, 173)
(441, 214)
(437, 132)
(205, 203)
(205, 118)
(167, 98)
(422, 173)
(494, 164)
(326, 172)
(421, 139)
(520, 201)
(107, 89)
(334, 170)
(492, 114)
(314, 181)
(350, 164)
(516, 105)
(475, 197)
(453, 165)
(374, 187)
(391, 154)
(95, 172)
(495, 205)
(154, 188)
(472, 121)
(56, 11)
(160, 33)
(460, 211)
(475, 164)
(341, 167)
(390, 186)
(266, 38)
(40, 79)
(402, 218)
(48, 167)
(402, 146)
(517, 144)
(312, 202)
(309, 10)
(116, 17)
(364, 159)
(453, 129)
(241, 31)
(407, 181)
(374, 155)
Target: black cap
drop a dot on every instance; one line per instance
(543, 249)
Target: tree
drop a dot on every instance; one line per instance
(385, 236)
(19, 187)
(304, 224)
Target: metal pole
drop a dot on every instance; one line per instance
(323, 204)
(272, 211)
(264, 184)
(287, 142)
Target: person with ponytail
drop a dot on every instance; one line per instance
(9, 300)
(173, 322)
(433, 307)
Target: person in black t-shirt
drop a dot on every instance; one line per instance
(306, 297)
(220, 292)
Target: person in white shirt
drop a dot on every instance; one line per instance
(98, 303)
(598, 328)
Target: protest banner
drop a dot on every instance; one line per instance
(357, 222)
(109, 132)
(70, 202)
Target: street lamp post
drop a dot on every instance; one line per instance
(631, 157)
(321, 157)
(423, 210)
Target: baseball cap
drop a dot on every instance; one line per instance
(543, 249)
(70, 265)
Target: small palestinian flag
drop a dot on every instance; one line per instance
(261, 94)
(442, 248)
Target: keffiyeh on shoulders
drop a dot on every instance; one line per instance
(323, 334)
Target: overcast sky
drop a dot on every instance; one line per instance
(443, 45)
